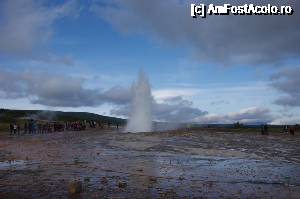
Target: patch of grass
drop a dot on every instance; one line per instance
(241, 129)
(4, 127)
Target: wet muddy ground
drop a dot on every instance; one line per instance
(195, 164)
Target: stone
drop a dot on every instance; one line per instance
(104, 180)
(75, 187)
(122, 184)
(153, 179)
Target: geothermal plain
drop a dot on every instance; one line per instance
(196, 163)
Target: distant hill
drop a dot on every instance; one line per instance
(7, 116)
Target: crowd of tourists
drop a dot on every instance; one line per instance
(40, 127)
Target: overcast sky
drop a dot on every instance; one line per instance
(84, 55)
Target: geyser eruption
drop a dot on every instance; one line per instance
(141, 112)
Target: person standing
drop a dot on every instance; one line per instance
(25, 127)
(11, 128)
(39, 128)
(30, 127)
(292, 130)
(18, 129)
(15, 128)
(34, 128)
(262, 129)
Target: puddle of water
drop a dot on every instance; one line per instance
(12, 163)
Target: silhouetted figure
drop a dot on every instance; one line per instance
(292, 130)
(11, 128)
(30, 127)
(18, 129)
(15, 128)
(34, 127)
(45, 128)
(49, 128)
(25, 128)
(262, 129)
(40, 128)
(100, 125)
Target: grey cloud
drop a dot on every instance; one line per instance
(123, 110)
(175, 109)
(11, 85)
(222, 39)
(252, 115)
(118, 94)
(55, 90)
(181, 110)
(28, 24)
(287, 81)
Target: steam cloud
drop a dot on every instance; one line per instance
(141, 110)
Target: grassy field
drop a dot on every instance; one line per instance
(272, 129)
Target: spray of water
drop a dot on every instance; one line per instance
(141, 112)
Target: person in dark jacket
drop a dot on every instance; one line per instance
(11, 128)
(292, 130)
(18, 129)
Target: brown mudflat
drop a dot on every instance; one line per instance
(175, 164)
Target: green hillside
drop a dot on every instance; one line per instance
(9, 116)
